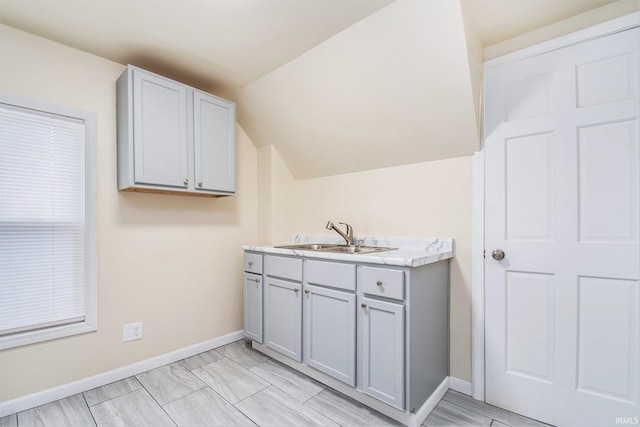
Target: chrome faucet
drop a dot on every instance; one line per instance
(348, 236)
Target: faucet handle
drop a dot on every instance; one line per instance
(349, 233)
(349, 228)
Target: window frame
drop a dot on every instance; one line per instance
(90, 322)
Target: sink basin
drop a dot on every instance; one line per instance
(330, 247)
(308, 246)
(356, 249)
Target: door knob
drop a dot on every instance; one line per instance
(497, 254)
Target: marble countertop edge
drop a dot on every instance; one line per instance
(411, 252)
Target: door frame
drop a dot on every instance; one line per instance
(478, 192)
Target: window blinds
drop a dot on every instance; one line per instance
(42, 220)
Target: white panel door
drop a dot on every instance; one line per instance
(562, 194)
(159, 131)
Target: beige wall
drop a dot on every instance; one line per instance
(275, 198)
(425, 199)
(172, 262)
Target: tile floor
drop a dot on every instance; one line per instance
(235, 385)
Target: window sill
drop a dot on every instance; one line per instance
(52, 333)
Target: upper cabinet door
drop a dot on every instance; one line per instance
(160, 131)
(214, 143)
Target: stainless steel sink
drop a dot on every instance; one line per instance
(308, 246)
(330, 247)
(352, 249)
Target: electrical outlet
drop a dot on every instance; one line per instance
(132, 331)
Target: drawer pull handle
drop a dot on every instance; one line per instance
(363, 305)
(296, 290)
(250, 263)
(379, 283)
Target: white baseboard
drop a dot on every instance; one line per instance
(461, 386)
(46, 396)
(423, 412)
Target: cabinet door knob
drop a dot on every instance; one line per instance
(250, 263)
(379, 283)
(186, 181)
(296, 290)
(200, 184)
(306, 291)
(363, 305)
(257, 280)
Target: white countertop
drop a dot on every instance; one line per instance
(411, 252)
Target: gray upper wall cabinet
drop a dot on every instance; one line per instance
(173, 138)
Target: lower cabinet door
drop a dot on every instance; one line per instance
(330, 332)
(382, 350)
(253, 306)
(283, 317)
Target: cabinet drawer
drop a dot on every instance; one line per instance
(253, 263)
(286, 268)
(383, 282)
(336, 275)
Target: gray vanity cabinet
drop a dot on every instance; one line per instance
(378, 333)
(330, 319)
(283, 305)
(173, 138)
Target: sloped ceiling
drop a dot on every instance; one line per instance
(215, 45)
(335, 86)
(499, 20)
(391, 89)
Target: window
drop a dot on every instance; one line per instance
(47, 221)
